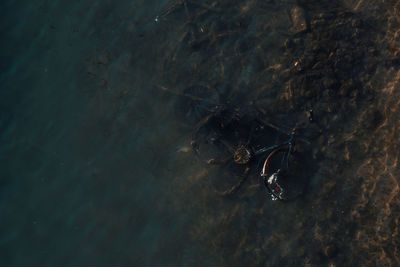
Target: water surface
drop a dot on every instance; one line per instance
(95, 156)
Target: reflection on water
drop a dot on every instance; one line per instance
(97, 166)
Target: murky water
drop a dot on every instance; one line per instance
(99, 101)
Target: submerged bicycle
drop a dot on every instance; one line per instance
(233, 137)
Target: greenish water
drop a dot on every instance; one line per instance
(96, 167)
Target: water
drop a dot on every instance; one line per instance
(95, 156)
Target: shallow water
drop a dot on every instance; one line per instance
(96, 164)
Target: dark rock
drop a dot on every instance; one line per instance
(298, 19)
(330, 251)
(289, 44)
(329, 83)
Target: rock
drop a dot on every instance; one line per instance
(329, 83)
(297, 16)
(353, 5)
(330, 251)
(289, 44)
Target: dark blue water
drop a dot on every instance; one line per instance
(97, 115)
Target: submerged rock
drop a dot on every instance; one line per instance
(330, 251)
(298, 18)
